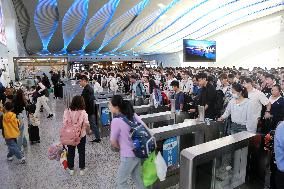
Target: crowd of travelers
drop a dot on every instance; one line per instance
(244, 100)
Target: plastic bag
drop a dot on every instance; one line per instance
(149, 170)
(161, 167)
(63, 159)
(55, 151)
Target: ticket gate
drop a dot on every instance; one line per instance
(167, 118)
(149, 109)
(194, 174)
(172, 139)
(104, 116)
(107, 95)
(144, 109)
(69, 92)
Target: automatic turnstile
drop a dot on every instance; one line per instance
(149, 109)
(104, 117)
(172, 139)
(150, 119)
(195, 156)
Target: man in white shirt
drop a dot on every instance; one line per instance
(186, 83)
(258, 99)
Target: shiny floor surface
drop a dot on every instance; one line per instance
(40, 172)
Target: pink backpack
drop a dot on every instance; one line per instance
(70, 133)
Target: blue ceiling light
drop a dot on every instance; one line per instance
(122, 23)
(46, 21)
(219, 18)
(153, 18)
(255, 12)
(242, 17)
(210, 12)
(99, 22)
(146, 38)
(73, 21)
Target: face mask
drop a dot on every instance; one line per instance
(236, 96)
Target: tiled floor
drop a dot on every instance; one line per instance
(40, 172)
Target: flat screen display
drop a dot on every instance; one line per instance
(3, 39)
(199, 51)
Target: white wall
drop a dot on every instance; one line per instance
(259, 43)
(14, 40)
(255, 44)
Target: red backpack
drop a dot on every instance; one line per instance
(70, 133)
(166, 99)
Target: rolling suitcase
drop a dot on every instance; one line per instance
(33, 134)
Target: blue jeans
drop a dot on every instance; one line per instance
(93, 125)
(22, 140)
(13, 148)
(129, 167)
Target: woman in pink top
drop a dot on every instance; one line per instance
(78, 112)
(130, 165)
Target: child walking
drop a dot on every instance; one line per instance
(11, 132)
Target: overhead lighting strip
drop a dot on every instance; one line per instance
(237, 11)
(152, 19)
(233, 21)
(73, 21)
(46, 21)
(99, 22)
(122, 23)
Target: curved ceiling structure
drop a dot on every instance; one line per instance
(136, 27)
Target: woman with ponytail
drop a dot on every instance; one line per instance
(130, 165)
(238, 108)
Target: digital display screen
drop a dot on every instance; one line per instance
(199, 51)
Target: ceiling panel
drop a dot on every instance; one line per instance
(129, 27)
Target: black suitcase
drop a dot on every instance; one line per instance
(34, 134)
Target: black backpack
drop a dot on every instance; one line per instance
(219, 105)
(188, 102)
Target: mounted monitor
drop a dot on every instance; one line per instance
(199, 51)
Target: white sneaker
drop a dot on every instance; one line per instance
(71, 172)
(23, 160)
(10, 158)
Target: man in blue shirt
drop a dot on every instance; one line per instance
(138, 90)
(178, 95)
(279, 155)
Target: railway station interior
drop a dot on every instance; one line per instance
(136, 94)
